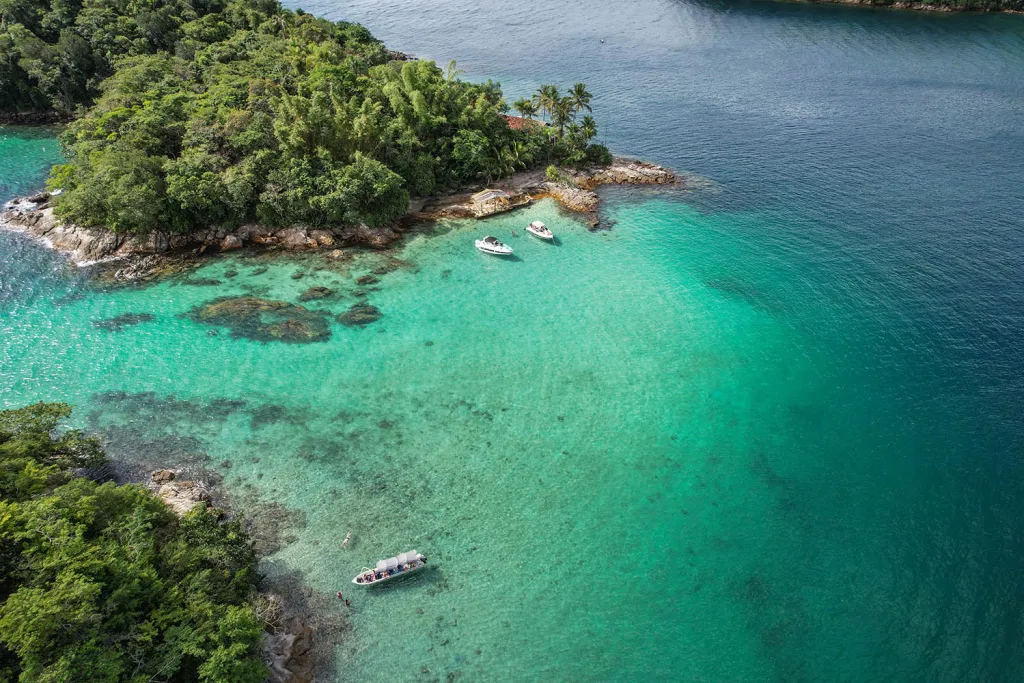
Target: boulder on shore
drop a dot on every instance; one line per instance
(231, 242)
(574, 198)
(180, 496)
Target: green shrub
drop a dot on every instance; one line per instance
(100, 582)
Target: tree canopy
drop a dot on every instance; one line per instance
(100, 582)
(194, 114)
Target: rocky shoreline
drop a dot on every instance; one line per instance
(139, 257)
(574, 190)
(291, 650)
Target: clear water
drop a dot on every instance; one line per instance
(766, 433)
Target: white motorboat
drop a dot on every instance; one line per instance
(391, 568)
(538, 229)
(491, 245)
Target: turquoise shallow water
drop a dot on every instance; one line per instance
(769, 432)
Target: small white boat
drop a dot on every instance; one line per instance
(391, 568)
(538, 229)
(491, 245)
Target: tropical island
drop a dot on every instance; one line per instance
(934, 5)
(225, 123)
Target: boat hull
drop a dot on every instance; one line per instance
(386, 579)
(539, 235)
(492, 252)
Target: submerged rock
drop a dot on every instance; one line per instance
(360, 315)
(339, 255)
(367, 280)
(119, 322)
(314, 293)
(264, 319)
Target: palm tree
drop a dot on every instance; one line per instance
(525, 107)
(580, 97)
(453, 71)
(588, 128)
(547, 96)
(561, 114)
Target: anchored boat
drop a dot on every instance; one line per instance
(538, 229)
(491, 245)
(391, 568)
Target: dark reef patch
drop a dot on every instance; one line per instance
(153, 410)
(748, 293)
(264, 320)
(359, 315)
(272, 413)
(269, 523)
(119, 322)
(315, 293)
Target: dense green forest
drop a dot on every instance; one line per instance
(959, 5)
(100, 582)
(203, 113)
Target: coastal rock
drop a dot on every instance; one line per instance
(314, 293)
(627, 172)
(264, 319)
(145, 268)
(323, 238)
(163, 476)
(295, 238)
(231, 242)
(364, 235)
(287, 654)
(359, 315)
(182, 496)
(574, 198)
(250, 231)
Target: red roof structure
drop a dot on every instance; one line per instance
(520, 122)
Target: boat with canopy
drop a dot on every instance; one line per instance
(538, 229)
(491, 245)
(391, 568)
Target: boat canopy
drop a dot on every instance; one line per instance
(394, 562)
